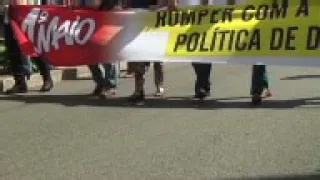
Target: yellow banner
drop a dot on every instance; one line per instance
(288, 28)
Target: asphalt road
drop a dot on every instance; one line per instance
(66, 134)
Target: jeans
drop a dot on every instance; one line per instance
(105, 74)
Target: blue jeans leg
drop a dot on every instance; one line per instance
(105, 75)
(111, 71)
(97, 74)
(27, 65)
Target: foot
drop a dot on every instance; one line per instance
(159, 92)
(17, 89)
(268, 94)
(256, 99)
(202, 93)
(103, 94)
(97, 91)
(138, 98)
(107, 93)
(47, 86)
(112, 92)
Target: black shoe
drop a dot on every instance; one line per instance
(138, 98)
(208, 93)
(17, 88)
(97, 91)
(20, 86)
(202, 93)
(256, 100)
(47, 86)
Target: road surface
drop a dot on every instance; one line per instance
(66, 134)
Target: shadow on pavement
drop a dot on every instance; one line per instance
(313, 176)
(298, 77)
(168, 102)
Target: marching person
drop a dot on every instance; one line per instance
(20, 65)
(140, 68)
(105, 75)
(259, 84)
(202, 70)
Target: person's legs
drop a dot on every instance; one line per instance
(158, 78)
(259, 83)
(111, 74)
(140, 69)
(266, 83)
(111, 78)
(19, 64)
(197, 82)
(205, 71)
(98, 78)
(106, 77)
(45, 72)
(202, 84)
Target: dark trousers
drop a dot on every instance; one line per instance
(259, 80)
(105, 75)
(130, 67)
(203, 72)
(19, 64)
(43, 66)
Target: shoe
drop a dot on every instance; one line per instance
(47, 86)
(138, 98)
(112, 92)
(17, 88)
(256, 99)
(20, 86)
(103, 93)
(159, 92)
(107, 93)
(208, 93)
(201, 94)
(268, 94)
(97, 91)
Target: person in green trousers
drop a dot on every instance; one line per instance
(259, 84)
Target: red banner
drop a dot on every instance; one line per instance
(66, 37)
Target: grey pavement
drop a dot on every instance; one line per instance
(66, 134)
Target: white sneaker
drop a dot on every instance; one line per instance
(159, 92)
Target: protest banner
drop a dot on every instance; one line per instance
(282, 33)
